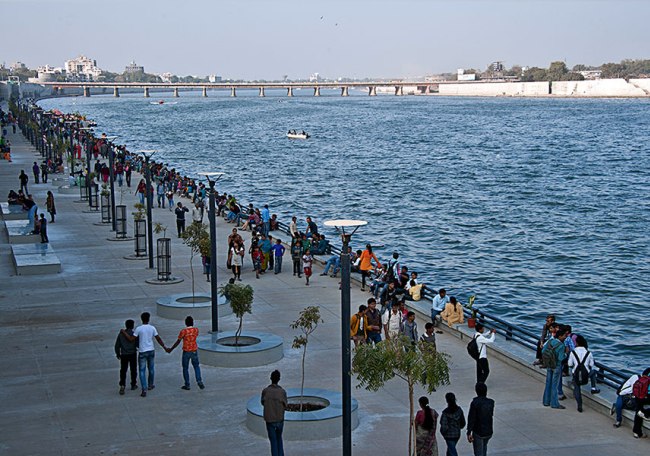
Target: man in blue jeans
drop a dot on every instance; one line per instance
(479, 420)
(145, 334)
(554, 374)
(274, 401)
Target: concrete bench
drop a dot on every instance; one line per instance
(13, 211)
(20, 232)
(32, 259)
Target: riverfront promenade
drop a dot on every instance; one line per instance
(59, 384)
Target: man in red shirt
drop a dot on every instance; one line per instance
(190, 352)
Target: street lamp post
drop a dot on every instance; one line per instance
(108, 144)
(147, 155)
(212, 180)
(346, 357)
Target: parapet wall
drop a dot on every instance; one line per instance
(596, 88)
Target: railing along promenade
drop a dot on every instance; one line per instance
(423, 87)
(510, 331)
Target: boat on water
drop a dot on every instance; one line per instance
(293, 134)
(159, 102)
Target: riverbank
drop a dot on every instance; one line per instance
(60, 393)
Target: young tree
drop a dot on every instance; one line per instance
(241, 302)
(197, 238)
(397, 357)
(307, 322)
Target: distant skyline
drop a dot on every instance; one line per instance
(256, 39)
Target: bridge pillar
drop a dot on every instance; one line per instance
(399, 90)
(344, 91)
(233, 92)
(262, 92)
(372, 91)
(175, 92)
(116, 92)
(86, 91)
(146, 92)
(289, 91)
(204, 92)
(317, 91)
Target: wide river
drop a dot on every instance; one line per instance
(534, 205)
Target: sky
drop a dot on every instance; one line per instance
(268, 39)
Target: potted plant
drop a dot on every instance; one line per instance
(471, 321)
(307, 322)
(241, 302)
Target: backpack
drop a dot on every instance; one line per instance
(640, 388)
(549, 357)
(580, 373)
(472, 349)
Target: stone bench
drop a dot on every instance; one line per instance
(20, 232)
(13, 211)
(32, 259)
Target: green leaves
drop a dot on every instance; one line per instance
(197, 238)
(240, 296)
(397, 357)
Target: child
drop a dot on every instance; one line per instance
(127, 354)
(170, 199)
(257, 261)
(296, 256)
(306, 265)
(278, 252)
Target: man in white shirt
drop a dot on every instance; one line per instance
(197, 214)
(438, 305)
(145, 334)
(482, 365)
(392, 321)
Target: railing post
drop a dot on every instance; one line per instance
(509, 333)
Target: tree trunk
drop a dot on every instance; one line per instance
(302, 382)
(192, 274)
(238, 333)
(411, 422)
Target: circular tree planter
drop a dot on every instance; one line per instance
(325, 423)
(179, 306)
(255, 349)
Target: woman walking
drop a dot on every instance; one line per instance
(49, 204)
(452, 421)
(365, 265)
(236, 254)
(425, 429)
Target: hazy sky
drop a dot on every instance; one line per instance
(266, 39)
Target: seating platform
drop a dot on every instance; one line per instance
(33, 259)
(12, 211)
(20, 232)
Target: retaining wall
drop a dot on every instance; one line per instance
(496, 89)
(598, 88)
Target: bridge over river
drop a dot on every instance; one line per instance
(421, 87)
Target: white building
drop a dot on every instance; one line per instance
(82, 69)
(166, 77)
(17, 66)
(214, 78)
(133, 68)
(47, 73)
(315, 77)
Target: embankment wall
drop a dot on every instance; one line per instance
(496, 89)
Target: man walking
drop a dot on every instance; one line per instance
(145, 334)
(482, 364)
(479, 420)
(266, 220)
(274, 401)
(180, 218)
(126, 352)
(190, 353)
(373, 318)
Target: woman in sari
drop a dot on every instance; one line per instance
(425, 429)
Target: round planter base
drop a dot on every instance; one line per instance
(119, 239)
(325, 423)
(171, 281)
(179, 306)
(90, 211)
(102, 223)
(135, 257)
(262, 348)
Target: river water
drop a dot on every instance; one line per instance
(534, 205)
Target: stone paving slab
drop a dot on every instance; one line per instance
(59, 386)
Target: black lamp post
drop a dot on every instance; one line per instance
(346, 356)
(212, 180)
(147, 155)
(107, 146)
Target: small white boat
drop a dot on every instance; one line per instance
(296, 135)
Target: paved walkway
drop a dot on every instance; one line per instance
(59, 389)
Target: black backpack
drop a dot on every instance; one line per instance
(472, 349)
(580, 373)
